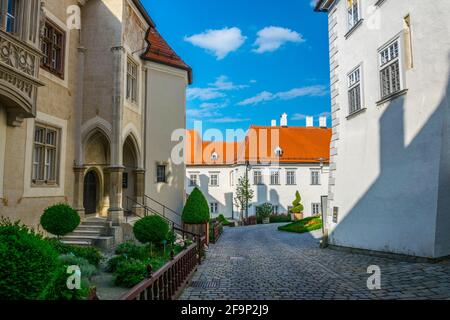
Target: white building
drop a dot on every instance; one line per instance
(294, 159)
(390, 159)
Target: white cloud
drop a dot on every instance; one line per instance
(253, 81)
(214, 90)
(223, 83)
(272, 38)
(299, 116)
(219, 42)
(265, 96)
(213, 106)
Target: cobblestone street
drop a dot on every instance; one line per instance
(262, 263)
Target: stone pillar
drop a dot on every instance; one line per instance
(79, 157)
(78, 196)
(115, 212)
(139, 189)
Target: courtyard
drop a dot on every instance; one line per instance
(262, 263)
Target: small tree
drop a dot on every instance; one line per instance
(264, 211)
(298, 207)
(60, 219)
(151, 229)
(244, 196)
(196, 210)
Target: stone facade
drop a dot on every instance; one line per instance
(104, 111)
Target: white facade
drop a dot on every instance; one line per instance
(390, 172)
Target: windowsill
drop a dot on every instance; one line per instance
(352, 29)
(356, 113)
(392, 96)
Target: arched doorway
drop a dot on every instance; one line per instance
(91, 193)
(130, 156)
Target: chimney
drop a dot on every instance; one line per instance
(323, 121)
(274, 123)
(284, 120)
(309, 122)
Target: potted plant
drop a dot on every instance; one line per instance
(297, 210)
(196, 214)
(263, 212)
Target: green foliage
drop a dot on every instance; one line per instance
(60, 219)
(151, 229)
(303, 226)
(244, 195)
(223, 220)
(133, 251)
(114, 262)
(27, 262)
(92, 255)
(196, 210)
(130, 272)
(264, 211)
(87, 270)
(280, 218)
(298, 207)
(57, 288)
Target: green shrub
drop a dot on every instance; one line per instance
(280, 218)
(151, 229)
(264, 211)
(196, 210)
(27, 262)
(133, 251)
(303, 226)
(60, 219)
(223, 220)
(87, 270)
(129, 273)
(92, 255)
(298, 207)
(57, 288)
(113, 263)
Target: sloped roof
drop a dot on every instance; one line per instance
(298, 145)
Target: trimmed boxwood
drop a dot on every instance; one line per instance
(27, 262)
(151, 229)
(60, 219)
(298, 207)
(130, 272)
(196, 210)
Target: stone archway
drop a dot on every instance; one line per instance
(132, 187)
(91, 193)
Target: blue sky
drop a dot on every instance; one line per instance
(252, 59)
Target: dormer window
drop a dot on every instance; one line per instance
(214, 156)
(278, 152)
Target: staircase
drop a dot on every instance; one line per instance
(91, 232)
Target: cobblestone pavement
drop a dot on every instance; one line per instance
(262, 263)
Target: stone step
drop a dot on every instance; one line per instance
(82, 232)
(102, 224)
(84, 238)
(90, 228)
(77, 243)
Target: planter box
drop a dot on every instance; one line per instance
(297, 216)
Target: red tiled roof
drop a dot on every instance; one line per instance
(298, 144)
(159, 51)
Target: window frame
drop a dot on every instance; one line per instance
(318, 178)
(275, 174)
(6, 16)
(351, 21)
(158, 176)
(49, 41)
(214, 207)
(191, 184)
(43, 165)
(217, 179)
(353, 85)
(258, 179)
(313, 205)
(387, 64)
(133, 80)
(294, 177)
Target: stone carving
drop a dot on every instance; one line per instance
(17, 57)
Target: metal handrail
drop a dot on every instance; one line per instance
(164, 207)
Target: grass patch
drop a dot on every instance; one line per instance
(303, 226)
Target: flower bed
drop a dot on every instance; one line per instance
(303, 226)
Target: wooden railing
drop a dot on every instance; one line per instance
(216, 229)
(168, 282)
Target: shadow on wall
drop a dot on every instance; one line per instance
(407, 209)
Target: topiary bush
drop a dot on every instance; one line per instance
(27, 262)
(151, 229)
(298, 207)
(60, 219)
(196, 210)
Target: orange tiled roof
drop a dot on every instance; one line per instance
(159, 51)
(298, 144)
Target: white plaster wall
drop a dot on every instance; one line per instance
(165, 113)
(388, 157)
(282, 195)
(2, 147)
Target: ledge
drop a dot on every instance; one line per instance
(392, 96)
(350, 32)
(356, 113)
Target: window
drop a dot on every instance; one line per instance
(353, 13)
(161, 173)
(125, 180)
(390, 69)
(193, 180)
(53, 42)
(214, 156)
(232, 178)
(315, 178)
(354, 91)
(214, 207)
(316, 209)
(257, 178)
(290, 178)
(45, 155)
(275, 178)
(214, 180)
(278, 152)
(9, 10)
(132, 81)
